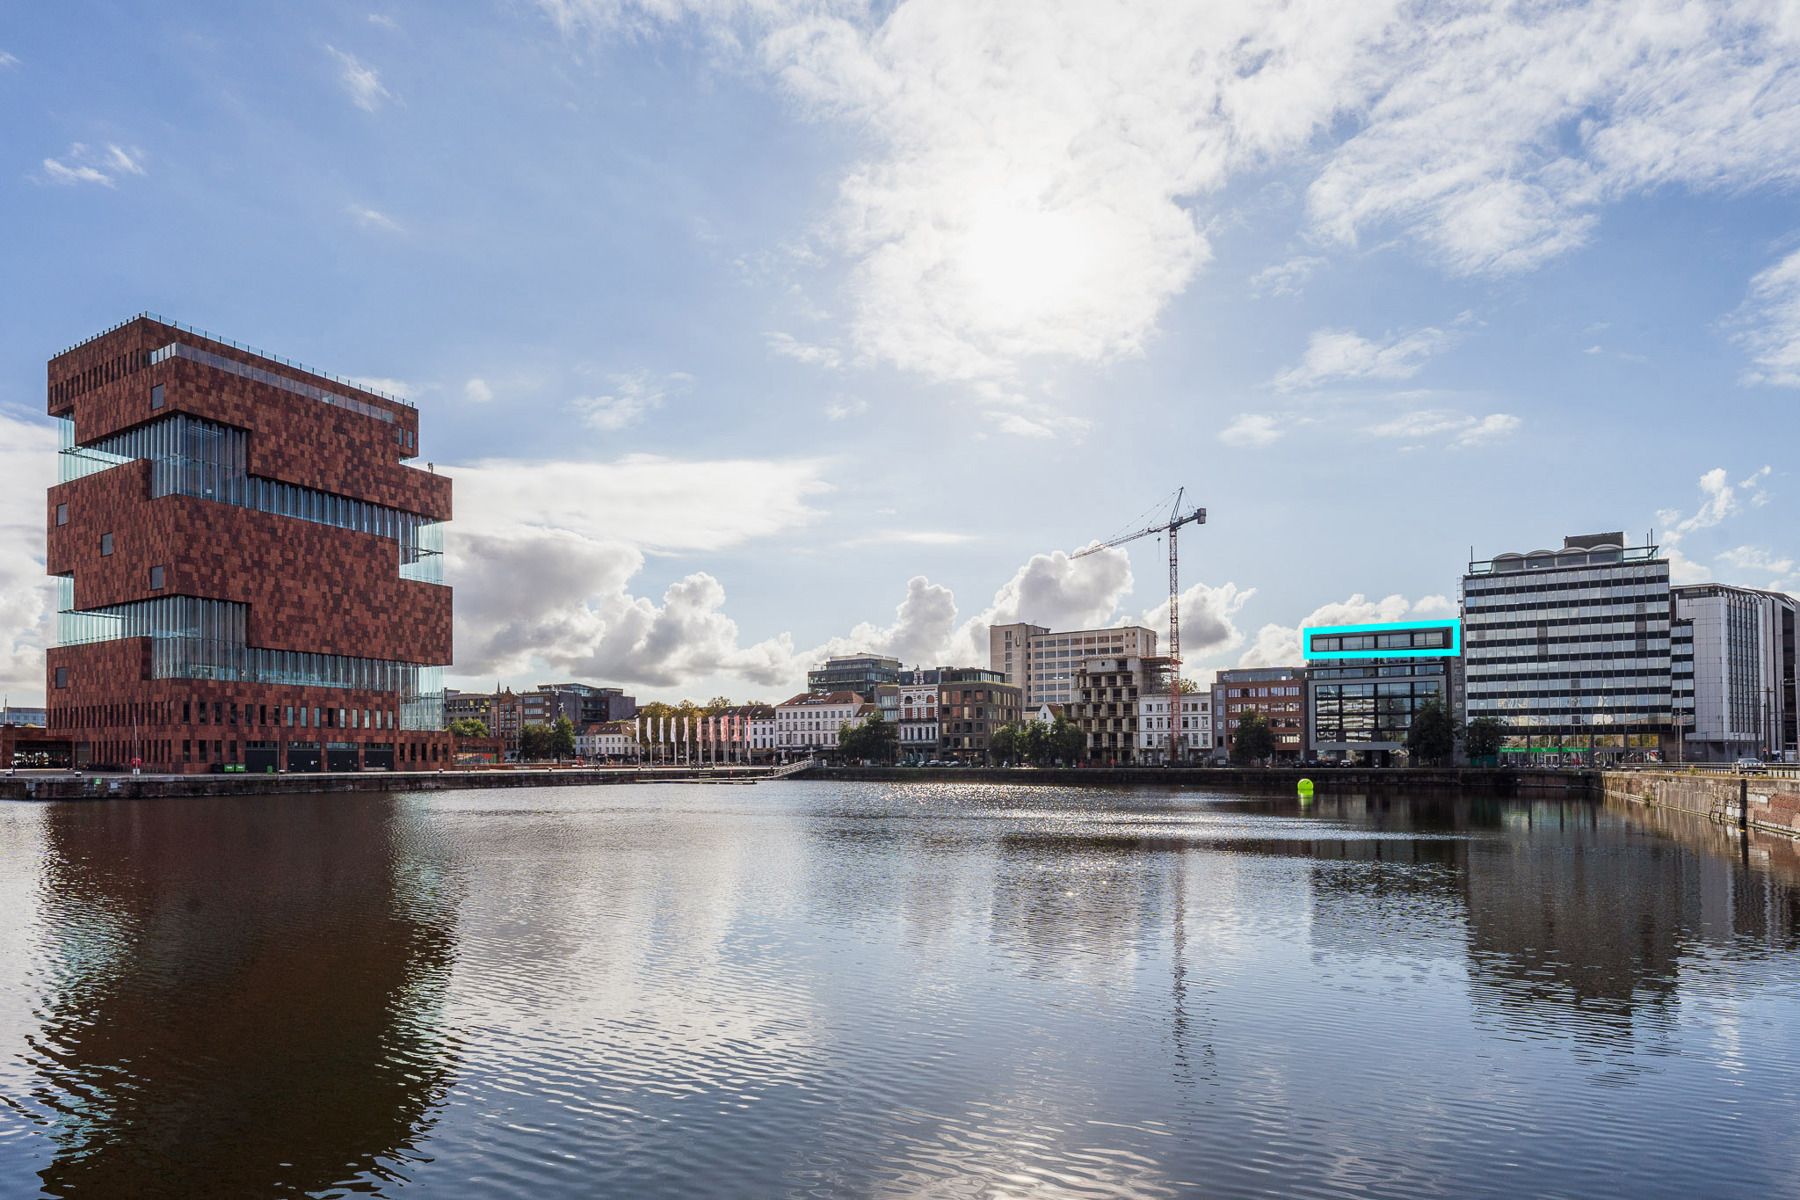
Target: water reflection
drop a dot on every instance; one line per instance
(801, 989)
(234, 1006)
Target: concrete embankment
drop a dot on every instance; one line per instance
(1753, 801)
(1277, 780)
(115, 787)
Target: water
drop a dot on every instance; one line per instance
(804, 989)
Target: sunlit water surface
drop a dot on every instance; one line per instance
(806, 989)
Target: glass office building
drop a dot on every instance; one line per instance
(1368, 682)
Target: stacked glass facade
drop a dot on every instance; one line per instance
(1368, 682)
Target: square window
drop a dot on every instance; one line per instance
(62, 514)
(106, 543)
(156, 578)
(62, 677)
(156, 396)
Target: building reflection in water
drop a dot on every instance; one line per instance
(238, 1007)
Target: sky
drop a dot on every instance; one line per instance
(756, 331)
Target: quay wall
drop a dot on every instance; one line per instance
(1260, 780)
(58, 786)
(1764, 802)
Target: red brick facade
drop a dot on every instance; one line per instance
(308, 586)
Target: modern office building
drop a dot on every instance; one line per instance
(13, 714)
(859, 673)
(1570, 649)
(1278, 694)
(1366, 683)
(1105, 708)
(250, 572)
(582, 703)
(1042, 662)
(1196, 730)
(1733, 672)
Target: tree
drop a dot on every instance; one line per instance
(469, 727)
(1187, 686)
(1007, 743)
(534, 742)
(1431, 738)
(873, 740)
(1255, 741)
(560, 741)
(1064, 742)
(1482, 738)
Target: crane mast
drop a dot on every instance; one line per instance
(1172, 527)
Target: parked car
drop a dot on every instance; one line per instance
(1749, 766)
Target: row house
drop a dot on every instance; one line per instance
(1195, 732)
(809, 723)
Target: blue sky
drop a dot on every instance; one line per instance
(756, 331)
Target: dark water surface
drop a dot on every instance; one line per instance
(806, 989)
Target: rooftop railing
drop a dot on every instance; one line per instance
(235, 345)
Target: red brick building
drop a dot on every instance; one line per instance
(250, 573)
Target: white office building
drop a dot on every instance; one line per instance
(1042, 662)
(1153, 728)
(1733, 672)
(1570, 649)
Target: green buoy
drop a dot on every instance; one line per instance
(1306, 791)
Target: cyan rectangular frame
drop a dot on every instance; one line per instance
(1454, 650)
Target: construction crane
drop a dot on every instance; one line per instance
(1171, 527)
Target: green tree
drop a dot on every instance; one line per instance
(1034, 742)
(1064, 742)
(1482, 739)
(534, 742)
(469, 727)
(1255, 741)
(873, 740)
(1188, 687)
(1006, 743)
(1431, 738)
(560, 741)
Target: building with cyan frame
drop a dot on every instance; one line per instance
(1366, 683)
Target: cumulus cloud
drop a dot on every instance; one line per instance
(1207, 627)
(543, 556)
(84, 164)
(1279, 645)
(1769, 325)
(27, 596)
(1338, 354)
(478, 391)
(1252, 429)
(634, 395)
(361, 82)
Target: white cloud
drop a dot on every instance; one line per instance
(1039, 424)
(1252, 429)
(842, 409)
(787, 346)
(7, 60)
(1335, 354)
(384, 383)
(83, 164)
(634, 395)
(1770, 325)
(383, 21)
(361, 82)
(374, 218)
(1720, 499)
(543, 554)
(477, 391)
(1207, 627)
(1756, 558)
(1285, 278)
(1279, 645)
(1461, 429)
(27, 596)
(911, 537)
(1035, 178)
